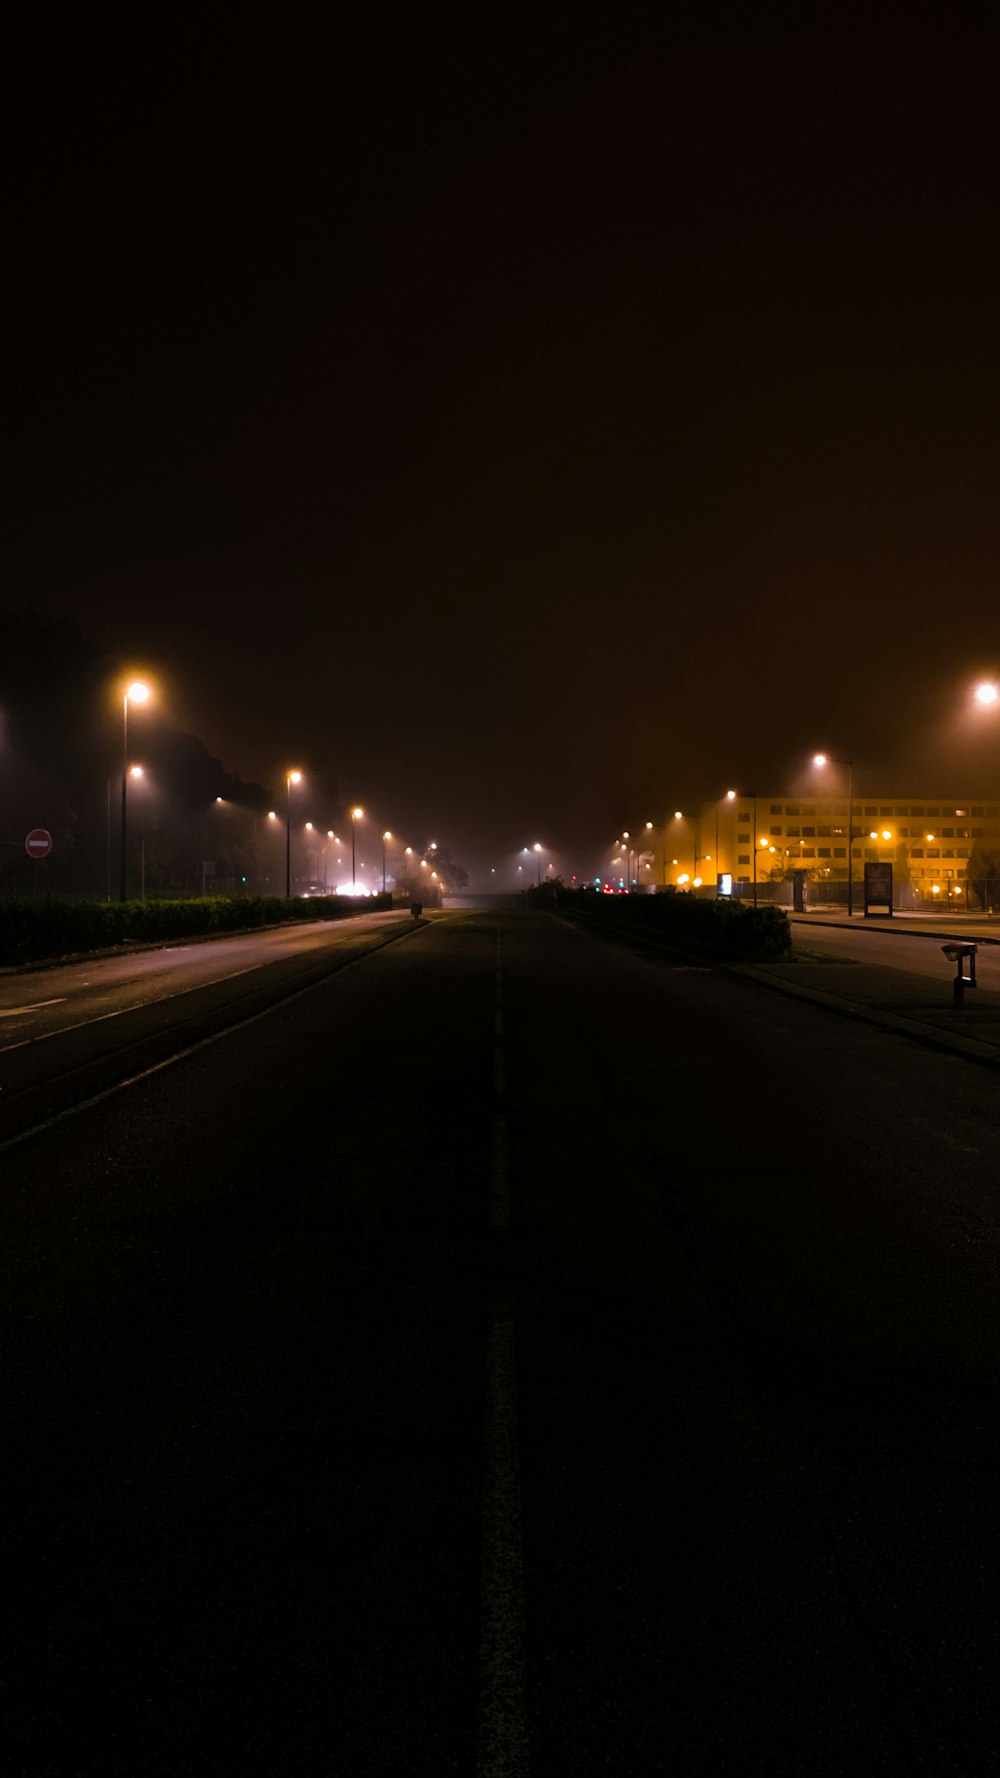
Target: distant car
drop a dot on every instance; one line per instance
(313, 889)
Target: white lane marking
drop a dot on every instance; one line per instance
(499, 1175)
(14, 1011)
(503, 1732)
(203, 1043)
(99, 1018)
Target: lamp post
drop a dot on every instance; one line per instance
(356, 815)
(137, 693)
(290, 779)
(823, 759)
(537, 849)
(386, 836)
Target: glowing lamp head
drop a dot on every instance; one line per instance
(819, 759)
(309, 827)
(730, 796)
(295, 777)
(987, 693)
(137, 692)
(678, 815)
(356, 814)
(537, 846)
(219, 799)
(886, 833)
(135, 772)
(649, 825)
(387, 835)
(272, 815)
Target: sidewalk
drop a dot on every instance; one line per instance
(984, 928)
(912, 1005)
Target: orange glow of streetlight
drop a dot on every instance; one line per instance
(136, 772)
(295, 777)
(987, 692)
(137, 693)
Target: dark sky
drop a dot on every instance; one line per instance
(525, 428)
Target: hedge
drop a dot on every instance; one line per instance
(35, 930)
(719, 929)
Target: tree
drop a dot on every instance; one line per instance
(984, 876)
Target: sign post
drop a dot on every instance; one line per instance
(878, 888)
(38, 843)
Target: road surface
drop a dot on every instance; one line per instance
(509, 1351)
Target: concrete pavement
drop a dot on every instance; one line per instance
(895, 999)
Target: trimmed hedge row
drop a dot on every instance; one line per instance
(34, 930)
(720, 929)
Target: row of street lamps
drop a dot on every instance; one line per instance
(138, 693)
(987, 694)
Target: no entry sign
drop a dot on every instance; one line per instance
(38, 843)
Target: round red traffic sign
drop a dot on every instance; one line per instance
(38, 843)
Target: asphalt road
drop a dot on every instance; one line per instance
(511, 1350)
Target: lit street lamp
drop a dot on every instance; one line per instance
(386, 836)
(356, 815)
(137, 693)
(290, 779)
(823, 759)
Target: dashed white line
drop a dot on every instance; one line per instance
(503, 1733)
(13, 1012)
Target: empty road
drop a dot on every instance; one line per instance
(511, 1351)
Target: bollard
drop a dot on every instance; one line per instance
(956, 954)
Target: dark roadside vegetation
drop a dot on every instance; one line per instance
(32, 931)
(711, 930)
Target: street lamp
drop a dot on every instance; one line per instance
(823, 759)
(386, 836)
(290, 779)
(987, 692)
(537, 849)
(356, 815)
(137, 693)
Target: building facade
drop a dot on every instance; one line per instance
(929, 841)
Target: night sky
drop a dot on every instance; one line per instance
(526, 428)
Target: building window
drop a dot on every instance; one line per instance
(871, 851)
(743, 839)
(931, 811)
(870, 809)
(917, 809)
(902, 809)
(744, 858)
(947, 833)
(808, 852)
(811, 831)
(840, 851)
(791, 808)
(886, 811)
(976, 810)
(916, 852)
(824, 833)
(933, 851)
(794, 832)
(775, 810)
(824, 851)
(808, 808)
(774, 830)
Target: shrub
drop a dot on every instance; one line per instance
(35, 930)
(719, 929)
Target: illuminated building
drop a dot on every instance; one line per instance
(928, 841)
